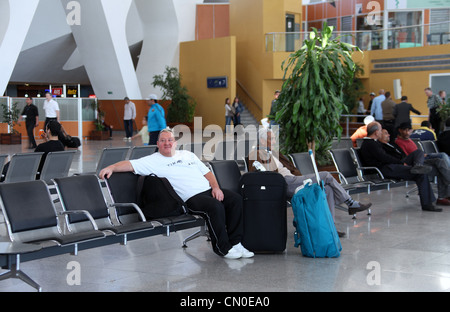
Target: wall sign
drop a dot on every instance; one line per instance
(217, 82)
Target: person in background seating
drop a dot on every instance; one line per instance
(424, 132)
(51, 144)
(361, 132)
(275, 161)
(440, 166)
(373, 155)
(443, 140)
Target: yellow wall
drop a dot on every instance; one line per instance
(209, 58)
(259, 72)
(413, 82)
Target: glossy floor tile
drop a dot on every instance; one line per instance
(397, 248)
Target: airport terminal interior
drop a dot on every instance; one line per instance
(397, 248)
(92, 54)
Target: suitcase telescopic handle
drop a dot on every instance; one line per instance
(314, 165)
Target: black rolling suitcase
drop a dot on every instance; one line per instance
(265, 211)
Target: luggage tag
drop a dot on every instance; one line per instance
(305, 183)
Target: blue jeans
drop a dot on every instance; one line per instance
(128, 124)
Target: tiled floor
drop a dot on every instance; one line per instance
(397, 248)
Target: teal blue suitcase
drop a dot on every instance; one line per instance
(315, 231)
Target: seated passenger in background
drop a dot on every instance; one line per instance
(52, 144)
(374, 155)
(443, 141)
(440, 167)
(361, 132)
(279, 163)
(424, 133)
(408, 146)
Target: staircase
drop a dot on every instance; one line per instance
(248, 119)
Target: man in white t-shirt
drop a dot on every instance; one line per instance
(51, 109)
(197, 186)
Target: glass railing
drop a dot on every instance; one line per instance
(69, 107)
(370, 39)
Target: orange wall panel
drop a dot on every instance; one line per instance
(212, 21)
(204, 24)
(221, 21)
(114, 112)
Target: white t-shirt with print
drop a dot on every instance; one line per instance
(185, 172)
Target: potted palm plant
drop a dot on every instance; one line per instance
(11, 117)
(100, 133)
(312, 98)
(182, 107)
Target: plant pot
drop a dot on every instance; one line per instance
(97, 135)
(11, 138)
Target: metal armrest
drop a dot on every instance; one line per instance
(132, 205)
(86, 213)
(372, 168)
(341, 176)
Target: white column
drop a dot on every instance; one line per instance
(102, 43)
(15, 20)
(165, 24)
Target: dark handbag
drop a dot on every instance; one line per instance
(158, 199)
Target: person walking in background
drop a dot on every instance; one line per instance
(388, 113)
(228, 113)
(129, 115)
(51, 109)
(376, 109)
(361, 110)
(369, 108)
(156, 119)
(443, 95)
(238, 109)
(402, 113)
(434, 102)
(273, 107)
(31, 113)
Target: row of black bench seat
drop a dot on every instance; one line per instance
(353, 175)
(85, 220)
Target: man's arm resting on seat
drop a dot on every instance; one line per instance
(122, 166)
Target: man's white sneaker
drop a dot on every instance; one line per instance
(233, 253)
(245, 253)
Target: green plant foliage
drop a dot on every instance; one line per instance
(182, 108)
(444, 111)
(312, 98)
(11, 116)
